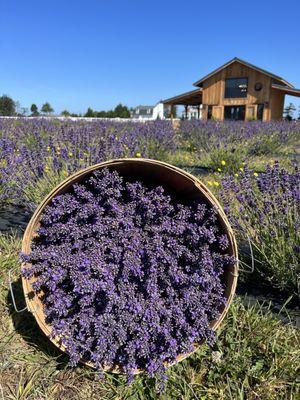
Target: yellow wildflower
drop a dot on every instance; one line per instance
(70, 154)
(216, 183)
(255, 174)
(219, 170)
(47, 169)
(236, 174)
(210, 183)
(223, 162)
(48, 148)
(138, 154)
(242, 169)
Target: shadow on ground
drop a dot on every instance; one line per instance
(13, 219)
(26, 326)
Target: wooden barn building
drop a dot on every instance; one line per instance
(237, 90)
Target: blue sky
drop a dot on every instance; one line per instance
(97, 53)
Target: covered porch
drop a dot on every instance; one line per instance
(187, 99)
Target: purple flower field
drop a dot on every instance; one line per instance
(265, 208)
(237, 142)
(157, 302)
(33, 149)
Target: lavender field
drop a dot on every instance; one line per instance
(252, 168)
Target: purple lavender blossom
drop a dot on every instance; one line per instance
(264, 209)
(130, 276)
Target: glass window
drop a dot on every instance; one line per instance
(236, 87)
(209, 112)
(260, 111)
(236, 113)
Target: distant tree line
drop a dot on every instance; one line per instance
(119, 111)
(9, 107)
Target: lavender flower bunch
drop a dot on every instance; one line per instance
(131, 277)
(265, 208)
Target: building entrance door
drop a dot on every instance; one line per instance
(235, 113)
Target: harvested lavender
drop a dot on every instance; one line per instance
(130, 276)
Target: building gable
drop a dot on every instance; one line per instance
(213, 88)
(236, 60)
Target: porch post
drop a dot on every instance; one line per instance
(199, 111)
(186, 111)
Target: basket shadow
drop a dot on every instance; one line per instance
(14, 219)
(26, 326)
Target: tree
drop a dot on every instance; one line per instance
(90, 113)
(101, 114)
(110, 114)
(65, 113)
(34, 110)
(7, 106)
(46, 108)
(288, 112)
(121, 111)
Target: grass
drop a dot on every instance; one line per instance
(256, 357)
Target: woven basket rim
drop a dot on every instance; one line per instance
(34, 304)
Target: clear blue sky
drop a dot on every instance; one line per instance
(97, 53)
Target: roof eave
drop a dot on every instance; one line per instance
(181, 96)
(287, 90)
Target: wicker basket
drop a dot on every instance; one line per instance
(177, 181)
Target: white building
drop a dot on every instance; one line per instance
(142, 112)
(159, 111)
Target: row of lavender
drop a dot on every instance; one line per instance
(238, 142)
(262, 201)
(264, 207)
(38, 153)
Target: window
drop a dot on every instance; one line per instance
(209, 112)
(260, 112)
(235, 113)
(236, 87)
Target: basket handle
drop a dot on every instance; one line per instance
(12, 294)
